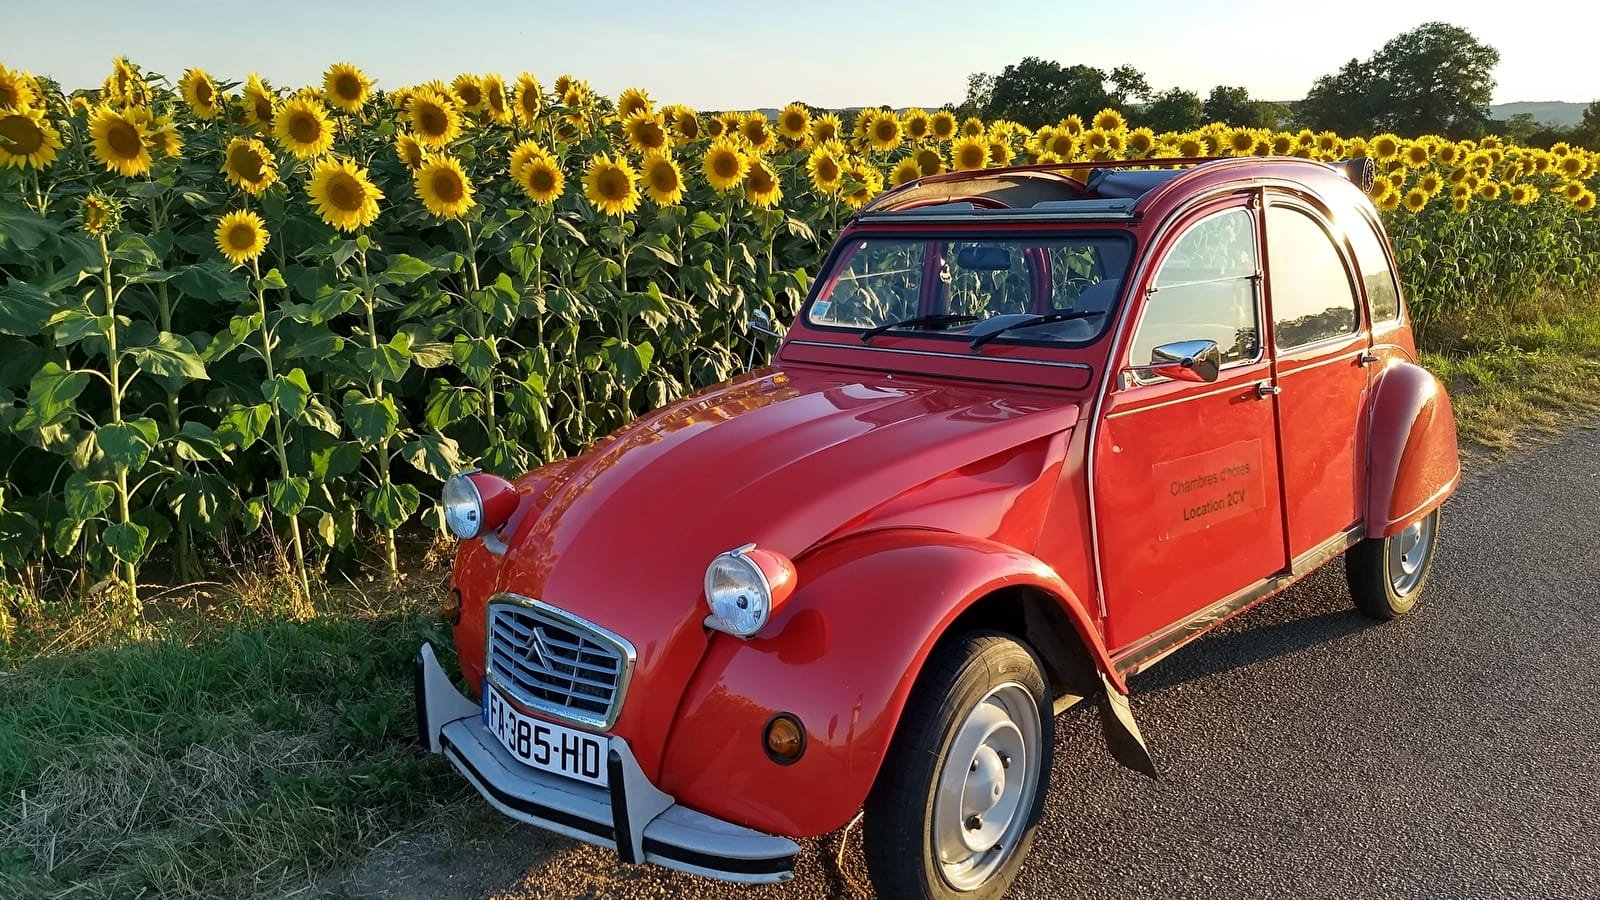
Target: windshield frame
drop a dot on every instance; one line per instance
(842, 254)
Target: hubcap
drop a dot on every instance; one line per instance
(1408, 555)
(986, 787)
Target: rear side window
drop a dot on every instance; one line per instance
(1312, 297)
(1383, 294)
(1206, 290)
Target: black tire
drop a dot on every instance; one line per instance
(1370, 569)
(898, 828)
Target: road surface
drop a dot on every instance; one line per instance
(1305, 752)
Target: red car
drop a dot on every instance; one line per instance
(1032, 431)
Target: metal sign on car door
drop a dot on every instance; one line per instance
(1199, 491)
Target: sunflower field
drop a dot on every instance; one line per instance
(233, 309)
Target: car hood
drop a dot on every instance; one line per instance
(780, 457)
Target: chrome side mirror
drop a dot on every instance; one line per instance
(761, 327)
(1198, 361)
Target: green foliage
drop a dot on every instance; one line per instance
(1434, 79)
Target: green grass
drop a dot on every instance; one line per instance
(212, 760)
(1520, 375)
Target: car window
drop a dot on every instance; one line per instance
(1383, 294)
(1009, 280)
(1205, 290)
(1312, 298)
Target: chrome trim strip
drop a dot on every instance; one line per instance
(1328, 549)
(627, 658)
(963, 356)
(1024, 214)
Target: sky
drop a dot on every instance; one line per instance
(725, 54)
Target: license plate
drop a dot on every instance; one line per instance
(545, 745)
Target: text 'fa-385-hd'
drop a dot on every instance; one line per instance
(1032, 431)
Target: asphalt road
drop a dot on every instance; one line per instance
(1309, 753)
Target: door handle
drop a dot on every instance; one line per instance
(1367, 359)
(1267, 389)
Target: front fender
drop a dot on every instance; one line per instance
(1412, 460)
(842, 656)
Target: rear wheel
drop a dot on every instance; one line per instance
(962, 786)
(1387, 575)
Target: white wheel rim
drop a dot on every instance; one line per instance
(985, 790)
(1407, 554)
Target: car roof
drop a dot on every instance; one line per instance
(1094, 192)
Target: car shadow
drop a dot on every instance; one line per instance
(1255, 637)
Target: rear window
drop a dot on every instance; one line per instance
(989, 282)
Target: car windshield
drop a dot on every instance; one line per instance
(973, 288)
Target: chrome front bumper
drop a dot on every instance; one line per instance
(632, 817)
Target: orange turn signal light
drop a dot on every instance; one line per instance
(785, 739)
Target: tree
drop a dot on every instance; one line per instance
(980, 88)
(1587, 132)
(1434, 79)
(1231, 105)
(1039, 92)
(1174, 110)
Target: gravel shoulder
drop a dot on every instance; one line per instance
(1305, 752)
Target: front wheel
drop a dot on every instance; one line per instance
(954, 808)
(1386, 575)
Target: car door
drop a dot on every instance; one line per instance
(1321, 346)
(1184, 474)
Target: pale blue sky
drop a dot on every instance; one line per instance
(722, 54)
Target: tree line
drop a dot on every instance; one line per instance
(1434, 79)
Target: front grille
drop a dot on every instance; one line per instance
(556, 663)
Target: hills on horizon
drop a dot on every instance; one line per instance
(1558, 113)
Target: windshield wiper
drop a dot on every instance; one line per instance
(918, 322)
(1047, 318)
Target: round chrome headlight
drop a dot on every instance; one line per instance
(738, 593)
(463, 506)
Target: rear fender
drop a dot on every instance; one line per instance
(1412, 460)
(841, 655)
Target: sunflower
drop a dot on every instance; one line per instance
(345, 87)
(794, 123)
(529, 99)
(905, 170)
(443, 188)
(973, 128)
(1283, 144)
(1431, 182)
(942, 125)
(258, 103)
(1460, 202)
(883, 131)
(1415, 154)
(824, 168)
(663, 180)
(1072, 125)
(542, 179)
(1390, 202)
(434, 119)
(1384, 147)
(1241, 141)
(1141, 140)
(864, 182)
(302, 128)
(611, 185)
(683, 121)
(119, 140)
(1571, 166)
(917, 123)
(248, 164)
(724, 164)
(1416, 199)
(1584, 203)
(646, 132)
(761, 185)
(1489, 190)
(1523, 194)
(1329, 145)
(27, 139)
(968, 154)
(757, 131)
(409, 150)
(200, 93)
(100, 213)
(562, 82)
(929, 161)
(494, 99)
(716, 127)
(241, 236)
(343, 194)
(1190, 146)
(522, 154)
(1380, 189)
(1108, 119)
(468, 91)
(1063, 144)
(164, 137)
(1355, 148)
(1572, 190)
(1000, 152)
(125, 86)
(633, 100)
(825, 128)
(16, 89)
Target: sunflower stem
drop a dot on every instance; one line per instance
(491, 423)
(280, 444)
(391, 555)
(130, 574)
